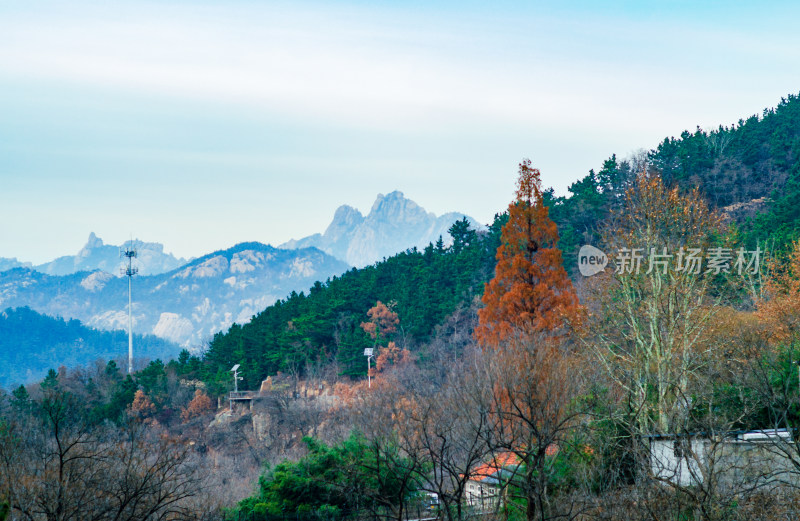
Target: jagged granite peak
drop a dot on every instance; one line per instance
(186, 305)
(395, 208)
(393, 224)
(93, 242)
(96, 255)
(345, 217)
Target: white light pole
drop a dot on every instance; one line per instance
(368, 354)
(236, 378)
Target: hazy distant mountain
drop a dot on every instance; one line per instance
(7, 264)
(393, 224)
(187, 305)
(32, 343)
(98, 256)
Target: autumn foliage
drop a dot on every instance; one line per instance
(653, 328)
(141, 407)
(780, 309)
(382, 321)
(530, 291)
(528, 305)
(200, 405)
(391, 355)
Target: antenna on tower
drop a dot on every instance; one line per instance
(129, 251)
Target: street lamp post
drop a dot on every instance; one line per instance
(368, 353)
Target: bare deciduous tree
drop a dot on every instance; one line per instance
(535, 382)
(59, 465)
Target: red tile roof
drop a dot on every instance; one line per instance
(504, 459)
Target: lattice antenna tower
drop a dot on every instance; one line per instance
(129, 252)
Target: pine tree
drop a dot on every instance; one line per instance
(530, 292)
(463, 235)
(51, 380)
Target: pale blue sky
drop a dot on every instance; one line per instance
(204, 124)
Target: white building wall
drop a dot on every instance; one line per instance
(678, 461)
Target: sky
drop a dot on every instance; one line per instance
(207, 123)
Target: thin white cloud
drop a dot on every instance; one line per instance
(338, 71)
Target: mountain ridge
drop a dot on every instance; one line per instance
(31, 343)
(95, 254)
(393, 224)
(186, 305)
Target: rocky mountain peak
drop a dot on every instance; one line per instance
(9, 264)
(345, 217)
(396, 210)
(394, 223)
(93, 242)
(96, 255)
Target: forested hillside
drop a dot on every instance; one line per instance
(581, 397)
(31, 343)
(737, 165)
(422, 287)
(747, 160)
(754, 158)
(595, 407)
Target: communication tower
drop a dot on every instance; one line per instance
(129, 252)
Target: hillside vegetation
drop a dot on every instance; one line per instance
(756, 158)
(31, 343)
(654, 391)
(324, 326)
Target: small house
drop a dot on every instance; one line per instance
(753, 457)
(484, 489)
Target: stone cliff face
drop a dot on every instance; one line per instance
(394, 224)
(187, 305)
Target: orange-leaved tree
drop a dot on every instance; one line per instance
(382, 325)
(391, 355)
(142, 407)
(382, 322)
(200, 405)
(780, 310)
(530, 292)
(527, 306)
